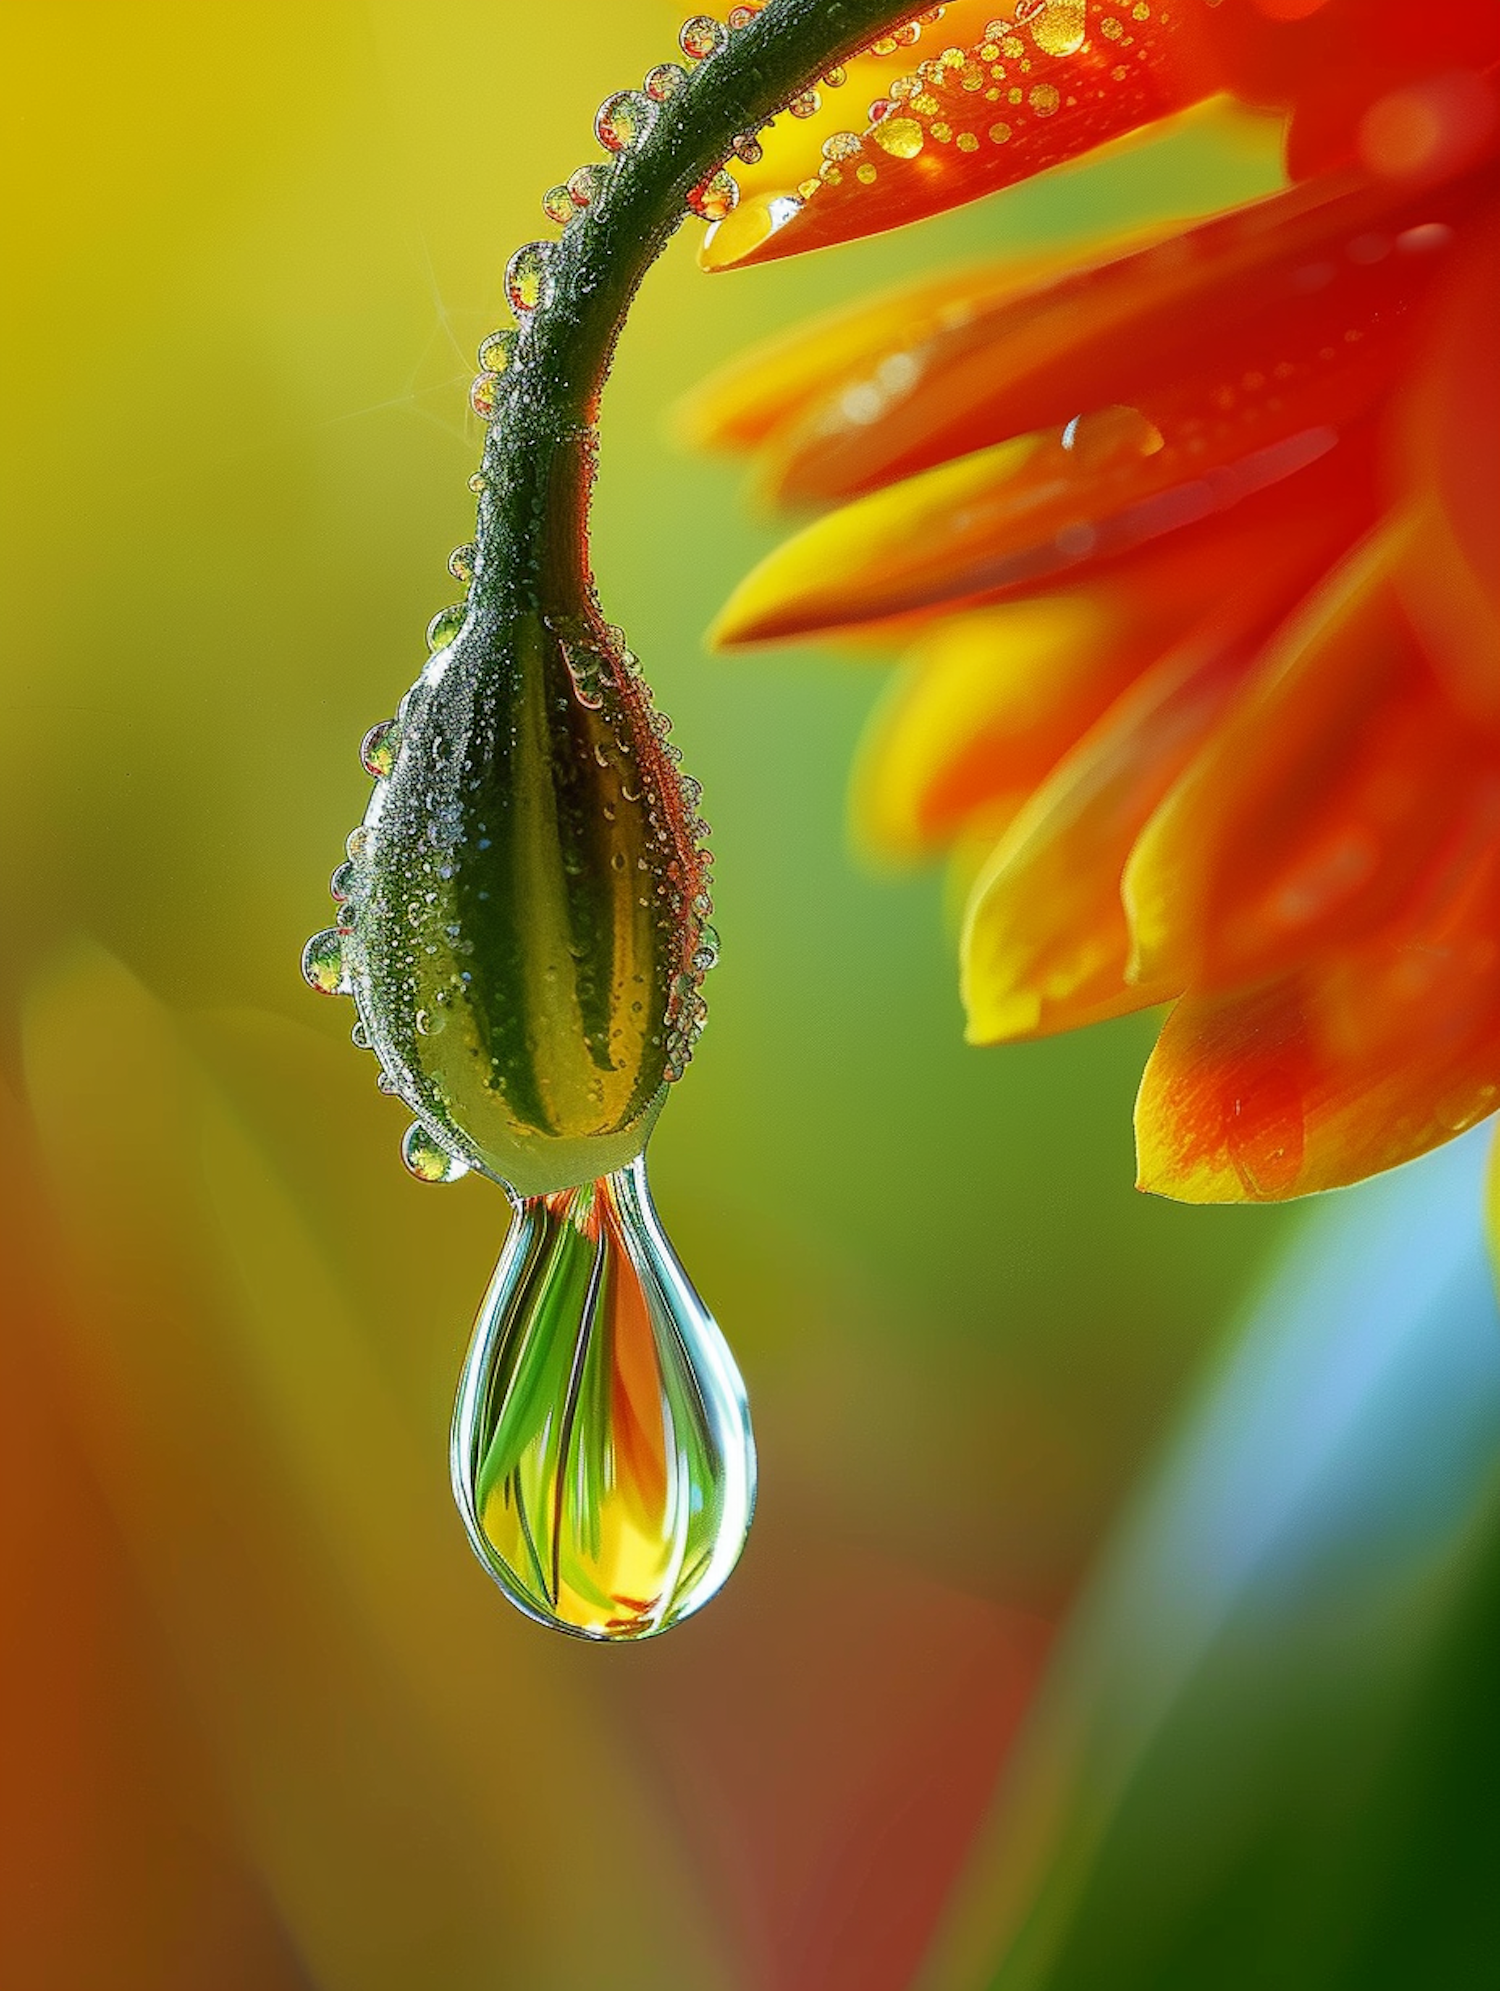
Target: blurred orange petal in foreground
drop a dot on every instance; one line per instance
(1194, 544)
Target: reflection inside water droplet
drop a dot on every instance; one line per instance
(602, 1454)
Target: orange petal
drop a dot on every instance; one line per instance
(1066, 500)
(1365, 1060)
(989, 701)
(1312, 811)
(1250, 288)
(1045, 943)
(770, 386)
(977, 114)
(1450, 583)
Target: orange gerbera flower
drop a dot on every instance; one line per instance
(1193, 546)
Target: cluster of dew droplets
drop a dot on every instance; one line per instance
(981, 96)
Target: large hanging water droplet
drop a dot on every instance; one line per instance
(602, 1454)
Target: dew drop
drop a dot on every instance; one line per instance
(557, 205)
(807, 105)
(323, 966)
(445, 625)
(1057, 28)
(664, 81)
(461, 563)
(707, 955)
(903, 138)
(377, 750)
(715, 197)
(748, 149)
(484, 396)
(623, 120)
(427, 1159)
(701, 37)
(341, 884)
(526, 275)
(587, 183)
(602, 1456)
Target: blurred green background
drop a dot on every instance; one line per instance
(266, 1723)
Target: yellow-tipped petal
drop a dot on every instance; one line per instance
(984, 705)
(1045, 944)
(1000, 517)
(1311, 812)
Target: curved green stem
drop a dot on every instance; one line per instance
(532, 537)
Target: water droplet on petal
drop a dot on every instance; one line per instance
(715, 197)
(602, 1455)
(557, 205)
(665, 80)
(323, 963)
(445, 625)
(526, 275)
(1057, 27)
(624, 119)
(427, 1159)
(377, 750)
(701, 37)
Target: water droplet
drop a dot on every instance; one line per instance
(557, 205)
(359, 1037)
(740, 18)
(707, 955)
(526, 275)
(587, 183)
(748, 148)
(377, 750)
(665, 80)
(341, 884)
(445, 625)
(479, 483)
(701, 37)
(602, 1455)
(1044, 99)
(461, 563)
(624, 119)
(484, 397)
(357, 843)
(427, 1159)
(807, 105)
(498, 351)
(903, 138)
(715, 197)
(323, 963)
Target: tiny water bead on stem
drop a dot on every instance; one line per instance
(523, 913)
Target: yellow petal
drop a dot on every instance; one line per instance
(983, 706)
(1045, 943)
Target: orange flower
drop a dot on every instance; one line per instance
(1193, 546)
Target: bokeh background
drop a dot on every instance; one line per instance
(265, 1724)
